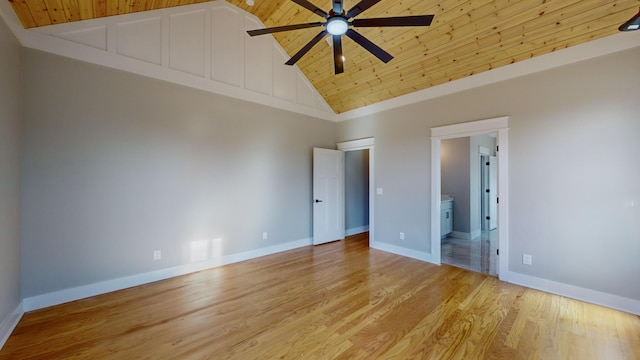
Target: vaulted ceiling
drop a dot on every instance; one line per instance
(465, 38)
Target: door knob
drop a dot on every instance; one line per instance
(318, 201)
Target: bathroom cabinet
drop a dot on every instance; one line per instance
(446, 217)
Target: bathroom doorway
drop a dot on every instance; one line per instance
(472, 140)
(468, 239)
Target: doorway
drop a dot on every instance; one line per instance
(468, 186)
(499, 126)
(356, 192)
(359, 199)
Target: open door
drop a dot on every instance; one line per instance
(493, 192)
(328, 195)
(489, 189)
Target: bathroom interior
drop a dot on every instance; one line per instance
(468, 218)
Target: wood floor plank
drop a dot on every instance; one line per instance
(341, 300)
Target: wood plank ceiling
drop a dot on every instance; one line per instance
(466, 37)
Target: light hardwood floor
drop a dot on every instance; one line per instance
(338, 300)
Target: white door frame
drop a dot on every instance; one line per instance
(365, 144)
(500, 126)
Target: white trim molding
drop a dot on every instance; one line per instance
(366, 144)
(359, 144)
(499, 125)
(103, 287)
(148, 43)
(9, 323)
(631, 306)
(35, 38)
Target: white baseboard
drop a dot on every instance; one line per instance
(464, 235)
(460, 235)
(103, 287)
(356, 230)
(398, 250)
(616, 302)
(575, 292)
(9, 323)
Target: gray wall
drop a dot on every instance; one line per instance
(573, 169)
(10, 136)
(455, 179)
(117, 166)
(356, 189)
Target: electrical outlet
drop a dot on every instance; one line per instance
(157, 255)
(527, 259)
(264, 235)
(401, 236)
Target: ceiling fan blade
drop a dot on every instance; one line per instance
(283, 28)
(307, 47)
(384, 56)
(418, 20)
(309, 6)
(360, 7)
(337, 54)
(338, 6)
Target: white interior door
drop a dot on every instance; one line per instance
(328, 195)
(484, 192)
(493, 192)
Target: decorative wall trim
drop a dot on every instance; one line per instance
(575, 292)
(356, 230)
(359, 144)
(191, 45)
(470, 128)
(9, 323)
(592, 49)
(103, 287)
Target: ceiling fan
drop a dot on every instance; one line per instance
(337, 24)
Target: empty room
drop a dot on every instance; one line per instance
(251, 179)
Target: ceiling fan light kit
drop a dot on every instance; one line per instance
(337, 24)
(631, 24)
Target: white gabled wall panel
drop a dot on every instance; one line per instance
(284, 77)
(204, 46)
(225, 48)
(257, 60)
(141, 40)
(187, 42)
(322, 105)
(96, 37)
(304, 92)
